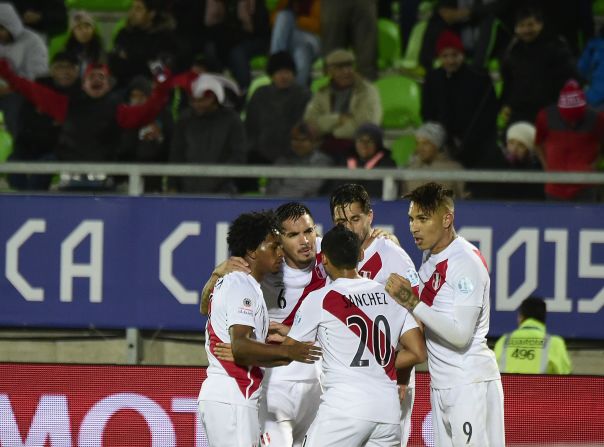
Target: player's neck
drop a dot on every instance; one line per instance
(447, 239)
(344, 273)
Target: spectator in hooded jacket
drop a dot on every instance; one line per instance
(28, 56)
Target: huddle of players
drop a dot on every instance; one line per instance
(289, 288)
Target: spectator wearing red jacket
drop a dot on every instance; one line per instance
(569, 138)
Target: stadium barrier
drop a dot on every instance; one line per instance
(142, 406)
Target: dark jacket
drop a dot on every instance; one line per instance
(217, 137)
(533, 74)
(54, 15)
(465, 104)
(271, 114)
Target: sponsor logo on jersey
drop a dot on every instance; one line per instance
(245, 311)
(465, 285)
(412, 277)
(247, 302)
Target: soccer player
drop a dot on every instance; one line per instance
(453, 304)
(359, 328)
(291, 394)
(228, 399)
(351, 206)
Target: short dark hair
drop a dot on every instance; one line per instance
(431, 196)
(342, 247)
(529, 11)
(347, 194)
(533, 307)
(291, 210)
(249, 230)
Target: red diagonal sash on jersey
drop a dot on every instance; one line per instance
(341, 307)
(316, 282)
(433, 285)
(372, 266)
(248, 379)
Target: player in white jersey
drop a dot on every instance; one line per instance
(351, 206)
(453, 304)
(228, 399)
(359, 328)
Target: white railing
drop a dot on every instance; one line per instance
(389, 177)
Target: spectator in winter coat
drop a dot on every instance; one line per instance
(46, 17)
(591, 68)
(84, 41)
(28, 56)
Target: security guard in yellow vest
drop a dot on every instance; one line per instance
(530, 349)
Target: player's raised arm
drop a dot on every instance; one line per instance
(233, 264)
(247, 351)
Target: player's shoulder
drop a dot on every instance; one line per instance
(240, 281)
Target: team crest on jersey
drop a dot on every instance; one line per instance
(247, 302)
(436, 281)
(465, 285)
(365, 274)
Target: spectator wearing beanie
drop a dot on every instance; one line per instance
(520, 155)
(370, 153)
(462, 99)
(569, 138)
(84, 41)
(430, 154)
(274, 110)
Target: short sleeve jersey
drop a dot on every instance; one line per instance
(237, 299)
(358, 325)
(284, 292)
(458, 276)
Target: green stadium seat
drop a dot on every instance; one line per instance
(319, 83)
(258, 63)
(119, 25)
(411, 58)
(257, 83)
(56, 44)
(99, 5)
(401, 101)
(598, 8)
(402, 149)
(271, 5)
(389, 43)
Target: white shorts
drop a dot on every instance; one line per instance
(333, 428)
(468, 415)
(287, 409)
(406, 410)
(228, 425)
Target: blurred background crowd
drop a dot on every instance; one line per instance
(361, 84)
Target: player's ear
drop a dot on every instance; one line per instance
(251, 254)
(324, 259)
(447, 219)
(370, 215)
(361, 254)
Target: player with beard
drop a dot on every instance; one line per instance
(350, 206)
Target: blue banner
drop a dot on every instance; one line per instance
(116, 262)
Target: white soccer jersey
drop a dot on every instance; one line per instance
(382, 258)
(458, 276)
(284, 292)
(237, 299)
(358, 326)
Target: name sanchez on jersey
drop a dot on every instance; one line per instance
(366, 299)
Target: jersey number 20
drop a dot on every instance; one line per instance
(381, 353)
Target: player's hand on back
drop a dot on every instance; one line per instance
(222, 351)
(233, 264)
(400, 289)
(377, 233)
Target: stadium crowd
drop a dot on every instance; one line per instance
(504, 84)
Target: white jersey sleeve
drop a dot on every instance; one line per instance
(308, 318)
(241, 304)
